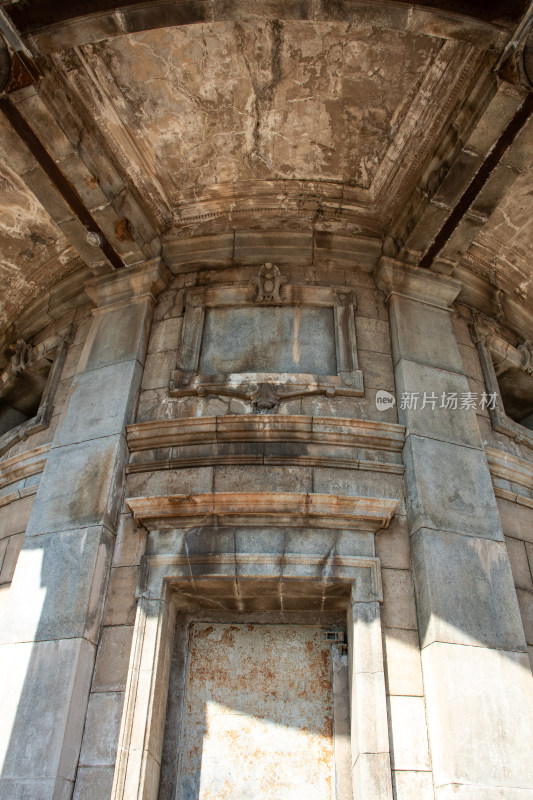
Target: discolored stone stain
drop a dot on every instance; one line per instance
(293, 100)
(258, 714)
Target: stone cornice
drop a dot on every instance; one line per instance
(23, 465)
(264, 508)
(148, 278)
(396, 278)
(510, 468)
(263, 428)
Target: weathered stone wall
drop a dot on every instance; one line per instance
(373, 471)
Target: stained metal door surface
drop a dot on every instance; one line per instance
(258, 714)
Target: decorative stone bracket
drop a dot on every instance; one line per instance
(266, 390)
(52, 350)
(496, 357)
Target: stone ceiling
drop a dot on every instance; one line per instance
(350, 123)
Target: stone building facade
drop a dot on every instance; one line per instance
(266, 401)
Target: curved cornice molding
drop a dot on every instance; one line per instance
(263, 508)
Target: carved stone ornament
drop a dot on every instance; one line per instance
(22, 356)
(265, 399)
(268, 284)
(526, 350)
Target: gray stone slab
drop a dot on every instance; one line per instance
(102, 402)
(518, 558)
(121, 602)
(93, 783)
(525, 601)
(398, 610)
(403, 669)
(79, 486)
(433, 388)
(480, 719)
(412, 785)
(37, 696)
(112, 659)
(409, 738)
(465, 591)
(100, 736)
(424, 334)
(59, 586)
(103, 347)
(449, 488)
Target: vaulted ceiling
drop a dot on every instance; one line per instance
(402, 129)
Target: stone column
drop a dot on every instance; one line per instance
(478, 683)
(51, 624)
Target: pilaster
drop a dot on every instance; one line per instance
(51, 624)
(478, 683)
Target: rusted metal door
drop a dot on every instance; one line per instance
(258, 714)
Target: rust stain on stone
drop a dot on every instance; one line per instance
(258, 714)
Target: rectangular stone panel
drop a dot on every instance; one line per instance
(480, 705)
(103, 347)
(465, 591)
(78, 487)
(276, 339)
(424, 334)
(429, 416)
(59, 586)
(449, 488)
(50, 703)
(101, 404)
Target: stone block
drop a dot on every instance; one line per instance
(424, 334)
(456, 791)
(104, 346)
(449, 488)
(79, 486)
(102, 726)
(10, 557)
(358, 483)
(525, 601)
(14, 517)
(378, 370)
(398, 609)
(409, 785)
(112, 659)
(36, 789)
(369, 714)
(409, 738)
(93, 783)
(4, 592)
(121, 603)
(44, 689)
(472, 367)
(165, 335)
(263, 479)
(480, 716)
(130, 543)
(465, 591)
(190, 480)
(392, 545)
(371, 303)
(59, 585)
(516, 519)
(529, 551)
(432, 387)
(402, 662)
(518, 559)
(372, 334)
(101, 403)
(158, 370)
(371, 776)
